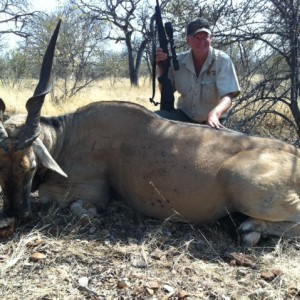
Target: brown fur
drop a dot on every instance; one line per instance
(166, 168)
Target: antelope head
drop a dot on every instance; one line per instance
(19, 153)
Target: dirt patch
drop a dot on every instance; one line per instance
(124, 255)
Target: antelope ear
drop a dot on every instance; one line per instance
(45, 157)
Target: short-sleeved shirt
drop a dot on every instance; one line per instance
(199, 95)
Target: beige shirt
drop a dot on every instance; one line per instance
(199, 95)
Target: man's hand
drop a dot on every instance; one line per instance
(213, 118)
(160, 57)
(214, 121)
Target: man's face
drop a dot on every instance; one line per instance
(200, 42)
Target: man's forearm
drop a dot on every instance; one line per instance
(223, 106)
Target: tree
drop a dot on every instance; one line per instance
(80, 50)
(267, 34)
(16, 67)
(128, 23)
(181, 12)
(13, 16)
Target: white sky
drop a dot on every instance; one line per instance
(46, 6)
(37, 5)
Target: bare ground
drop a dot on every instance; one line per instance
(124, 255)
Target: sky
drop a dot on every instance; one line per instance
(45, 6)
(38, 5)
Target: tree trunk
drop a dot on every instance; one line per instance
(294, 64)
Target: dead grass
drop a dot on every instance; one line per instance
(124, 255)
(15, 98)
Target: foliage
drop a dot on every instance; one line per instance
(113, 38)
(79, 56)
(271, 77)
(128, 23)
(13, 14)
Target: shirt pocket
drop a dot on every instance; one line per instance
(208, 92)
(209, 77)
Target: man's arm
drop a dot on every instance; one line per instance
(213, 118)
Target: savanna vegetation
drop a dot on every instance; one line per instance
(104, 52)
(113, 39)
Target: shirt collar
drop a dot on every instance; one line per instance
(188, 60)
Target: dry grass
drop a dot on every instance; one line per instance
(124, 255)
(15, 98)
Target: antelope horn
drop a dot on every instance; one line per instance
(3, 133)
(31, 129)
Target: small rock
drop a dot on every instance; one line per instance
(154, 285)
(182, 295)
(168, 288)
(157, 255)
(83, 281)
(37, 256)
(241, 272)
(270, 275)
(123, 283)
(150, 291)
(240, 259)
(138, 261)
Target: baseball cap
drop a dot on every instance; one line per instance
(199, 25)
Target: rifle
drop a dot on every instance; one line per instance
(167, 92)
